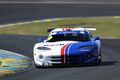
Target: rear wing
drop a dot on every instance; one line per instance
(90, 29)
(49, 30)
(71, 29)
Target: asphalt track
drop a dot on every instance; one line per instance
(108, 70)
(64, 0)
(12, 13)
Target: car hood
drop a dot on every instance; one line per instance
(55, 45)
(62, 48)
(60, 44)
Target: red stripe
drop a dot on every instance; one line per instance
(63, 29)
(63, 53)
(68, 28)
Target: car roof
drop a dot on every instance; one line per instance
(74, 29)
(70, 30)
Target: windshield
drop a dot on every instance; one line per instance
(68, 37)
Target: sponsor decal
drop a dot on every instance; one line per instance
(84, 49)
(68, 32)
(53, 45)
(90, 60)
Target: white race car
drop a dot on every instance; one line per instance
(68, 46)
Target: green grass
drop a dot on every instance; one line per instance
(106, 27)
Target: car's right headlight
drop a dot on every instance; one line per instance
(43, 48)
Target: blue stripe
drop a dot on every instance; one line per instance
(95, 17)
(22, 22)
(42, 20)
(76, 17)
(87, 17)
(52, 19)
(69, 32)
(5, 66)
(67, 53)
(15, 24)
(63, 18)
(14, 69)
(7, 25)
(31, 21)
(103, 16)
(111, 17)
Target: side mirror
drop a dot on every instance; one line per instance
(96, 38)
(41, 40)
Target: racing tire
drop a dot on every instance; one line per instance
(99, 59)
(96, 62)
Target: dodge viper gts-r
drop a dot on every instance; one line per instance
(68, 46)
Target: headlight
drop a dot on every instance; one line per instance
(43, 48)
(40, 56)
(86, 47)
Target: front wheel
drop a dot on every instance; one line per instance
(99, 59)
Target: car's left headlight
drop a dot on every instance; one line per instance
(43, 48)
(86, 47)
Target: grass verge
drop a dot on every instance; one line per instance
(106, 27)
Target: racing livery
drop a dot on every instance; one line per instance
(68, 46)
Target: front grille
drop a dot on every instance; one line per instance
(73, 58)
(57, 64)
(68, 59)
(56, 58)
